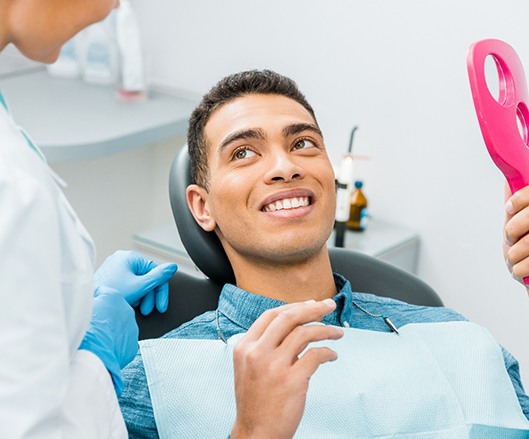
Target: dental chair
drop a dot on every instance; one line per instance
(190, 296)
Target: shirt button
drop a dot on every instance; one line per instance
(346, 324)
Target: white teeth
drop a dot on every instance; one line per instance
(287, 203)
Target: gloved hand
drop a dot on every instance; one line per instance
(113, 333)
(138, 279)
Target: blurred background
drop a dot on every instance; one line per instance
(395, 69)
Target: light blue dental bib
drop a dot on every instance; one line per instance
(433, 380)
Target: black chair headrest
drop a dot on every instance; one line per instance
(204, 248)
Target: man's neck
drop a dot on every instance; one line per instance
(297, 282)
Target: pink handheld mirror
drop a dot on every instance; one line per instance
(503, 119)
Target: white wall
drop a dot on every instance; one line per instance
(398, 70)
(122, 194)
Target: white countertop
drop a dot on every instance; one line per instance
(71, 120)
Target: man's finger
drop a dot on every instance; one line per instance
(259, 326)
(518, 252)
(309, 362)
(298, 340)
(517, 201)
(520, 270)
(517, 226)
(305, 311)
(286, 321)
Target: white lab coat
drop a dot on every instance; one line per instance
(48, 388)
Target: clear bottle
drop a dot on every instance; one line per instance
(358, 209)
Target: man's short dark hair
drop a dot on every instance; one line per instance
(226, 90)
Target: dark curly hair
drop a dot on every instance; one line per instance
(226, 90)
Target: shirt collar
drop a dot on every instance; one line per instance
(243, 307)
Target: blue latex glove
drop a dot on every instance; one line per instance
(138, 279)
(113, 333)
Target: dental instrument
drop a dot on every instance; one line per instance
(344, 184)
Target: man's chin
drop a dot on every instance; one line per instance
(292, 254)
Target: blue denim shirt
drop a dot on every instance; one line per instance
(238, 309)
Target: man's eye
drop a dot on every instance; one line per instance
(303, 144)
(243, 153)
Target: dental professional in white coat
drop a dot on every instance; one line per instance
(64, 334)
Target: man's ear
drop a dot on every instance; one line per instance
(197, 200)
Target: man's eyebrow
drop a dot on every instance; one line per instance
(297, 128)
(251, 133)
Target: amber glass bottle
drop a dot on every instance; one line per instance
(358, 209)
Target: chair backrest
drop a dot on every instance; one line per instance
(191, 296)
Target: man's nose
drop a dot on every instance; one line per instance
(282, 167)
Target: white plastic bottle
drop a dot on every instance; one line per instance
(99, 54)
(133, 82)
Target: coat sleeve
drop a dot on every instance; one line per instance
(91, 408)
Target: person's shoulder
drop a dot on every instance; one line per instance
(18, 178)
(25, 180)
(18, 161)
(201, 327)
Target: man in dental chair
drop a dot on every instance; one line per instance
(264, 184)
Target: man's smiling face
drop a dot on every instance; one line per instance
(271, 186)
